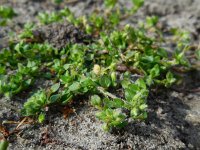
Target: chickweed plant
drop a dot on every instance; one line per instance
(6, 13)
(116, 70)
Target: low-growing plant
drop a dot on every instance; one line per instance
(6, 13)
(115, 70)
(48, 18)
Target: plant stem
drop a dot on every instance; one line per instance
(107, 94)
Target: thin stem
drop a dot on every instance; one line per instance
(107, 94)
(101, 90)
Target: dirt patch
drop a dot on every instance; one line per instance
(173, 121)
(60, 34)
(184, 14)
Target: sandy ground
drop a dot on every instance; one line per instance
(174, 115)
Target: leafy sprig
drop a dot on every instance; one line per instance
(6, 13)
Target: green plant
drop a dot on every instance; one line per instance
(118, 59)
(4, 144)
(46, 18)
(6, 13)
(137, 4)
(110, 3)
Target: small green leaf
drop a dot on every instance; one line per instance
(41, 118)
(66, 66)
(151, 21)
(54, 98)
(65, 79)
(6, 12)
(142, 116)
(113, 78)
(118, 103)
(96, 100)
(105, 81)
(28, 82)
(125, 83)
(55, 87)
(2, 69)
(4, 145)
(198, 54)
(141, 83)
(74, 87)
(110, 3)
(105, 127)
(131, 91)
(137, 4)
(134, 113)
(155, 71)
(143, 106)
(169, 79)
(66, 98)
(115, 103)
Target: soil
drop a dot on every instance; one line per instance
(60, 34)
(173, 114)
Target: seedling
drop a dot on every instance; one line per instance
(6, 13)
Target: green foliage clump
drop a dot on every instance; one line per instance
(35, 104)
(118, 59)
(6, 13)
(48, 18)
